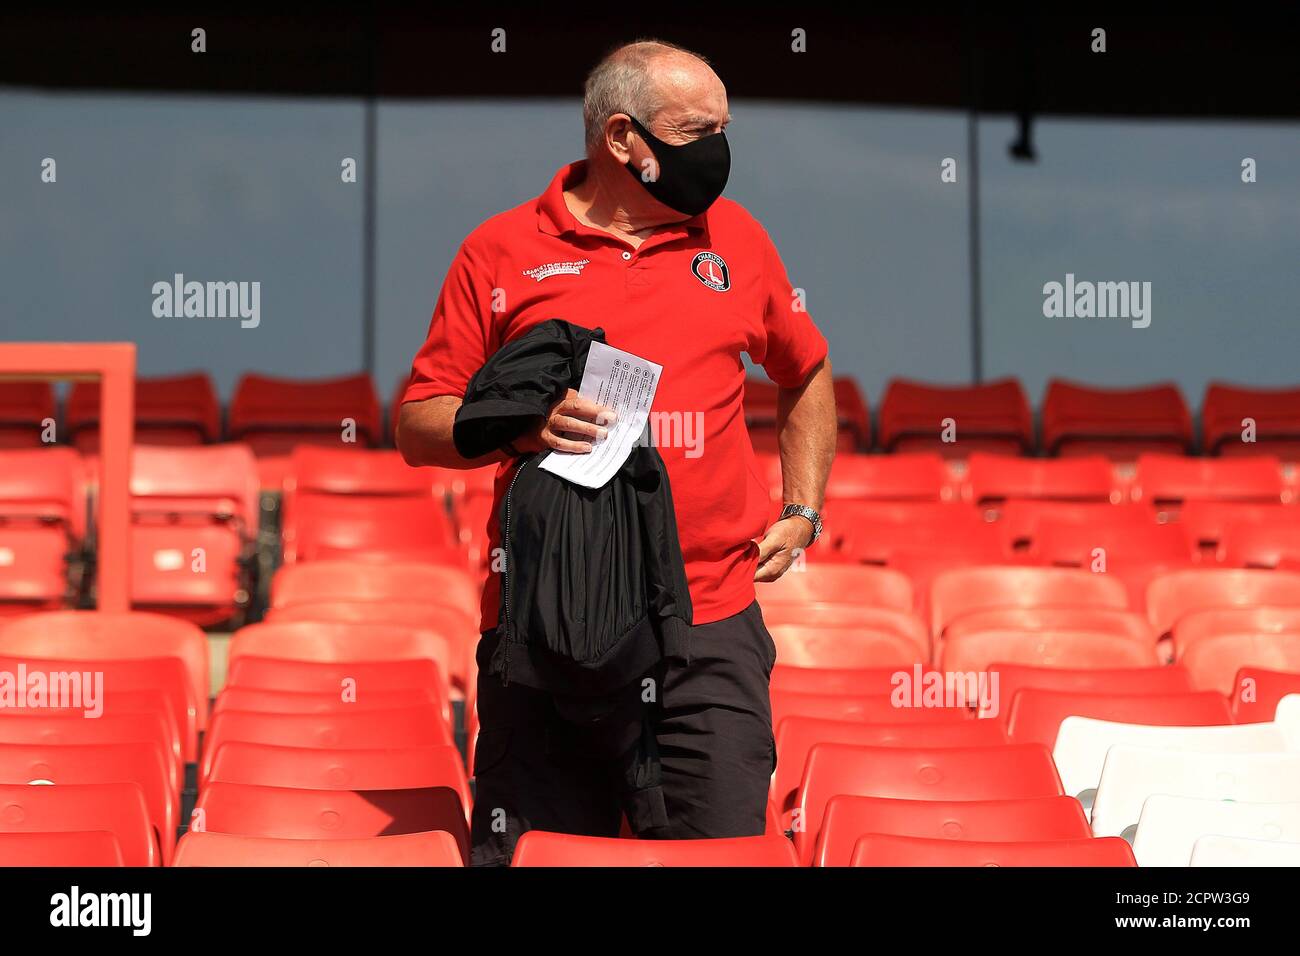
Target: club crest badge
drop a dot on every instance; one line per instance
(711, 269)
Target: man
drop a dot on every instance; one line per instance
(635, 240)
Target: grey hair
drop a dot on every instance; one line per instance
(622, 83)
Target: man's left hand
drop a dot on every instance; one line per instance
(781, 545)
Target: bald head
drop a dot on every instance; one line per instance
(670, 89)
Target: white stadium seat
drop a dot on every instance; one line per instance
(1131, 774)
(1082, 743)
(1170, 826)
(1234, 851)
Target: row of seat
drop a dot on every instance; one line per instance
(272, 414)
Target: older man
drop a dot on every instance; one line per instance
(636, 240)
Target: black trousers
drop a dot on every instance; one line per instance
(542, 764)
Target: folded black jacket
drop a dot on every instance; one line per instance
(593, 587)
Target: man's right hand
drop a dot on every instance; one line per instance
(571, 425)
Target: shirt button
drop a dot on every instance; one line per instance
(627, 255)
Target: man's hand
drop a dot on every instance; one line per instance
(779, 547)
(570, 420)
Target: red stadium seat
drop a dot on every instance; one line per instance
(163, 679)
(861, 709)
(344, 503)
(1039, 819)
(876, 849)
(326, 642)
(42, 528)
(275, 414)
(1207, 523)
(1262, 543)
(370, 677)
(1275, 413)
(997, 478)
(1035, 715)
(172, 410)
(993, 416)
(840, 584)
(866, 646)
(194, 523)
(958, 592)
(345, 730)
(1021, 520)
(1165, 480)
(1172, 596)
(293, 814)
(796, 736)
(141, 763)
(437, 848)
(117, 808)
(847, 681)
(977, 650)
(1117, 422)
(760, 405)
(452, 621)
(539, 848)
(1000, 772)
(1214, 661)
(1074, 544)
(1096, 619)
(389, 768)
(329, 581)
(1128, 680)
(109, 636)
(260, 701)
(1239, 619)
(878, 532)
(904, 478)
(45, 725)
(25, 410)
(64, 848)
(1256, 692)
(854, 418)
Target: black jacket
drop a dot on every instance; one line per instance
(593, 587)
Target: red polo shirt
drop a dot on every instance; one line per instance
(692, 298)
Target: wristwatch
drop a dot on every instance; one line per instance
(803, 511)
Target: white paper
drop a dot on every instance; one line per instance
(621, 381)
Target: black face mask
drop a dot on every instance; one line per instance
(691, 176)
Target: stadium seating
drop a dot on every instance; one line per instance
(1169, 827)
(1224, 851)
(797, 735)
(66, 725)
(876, 849)
(369, 677)
(1117, 422)
(346, 730)
(116, 808)
(899, 478)
(1133, 774)
(297, 814)
(1172, 596)
(1035, 716)
(42, 528)
(341, 503)
(387, 768)
(879, 532)
(849, 681)
(1256, 693)
(865, 646)
(65, 848)
(962, 591)
(141, 763)
(1275, 414)
(1164, 481)
(1262, 539)
(1032, 820)
(25, 408)
(539, 848)
(1082, 743)
(1133, 681)
(260, 701)
(1000, 772)
(1098, 620)
(975, 650)
(993, 416)
(194, 523)
(854, 707)
(317, 582)
(994, 479)
(173, 410)
(435, 848)
(840, 584)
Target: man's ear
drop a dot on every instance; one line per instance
(618, 137)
